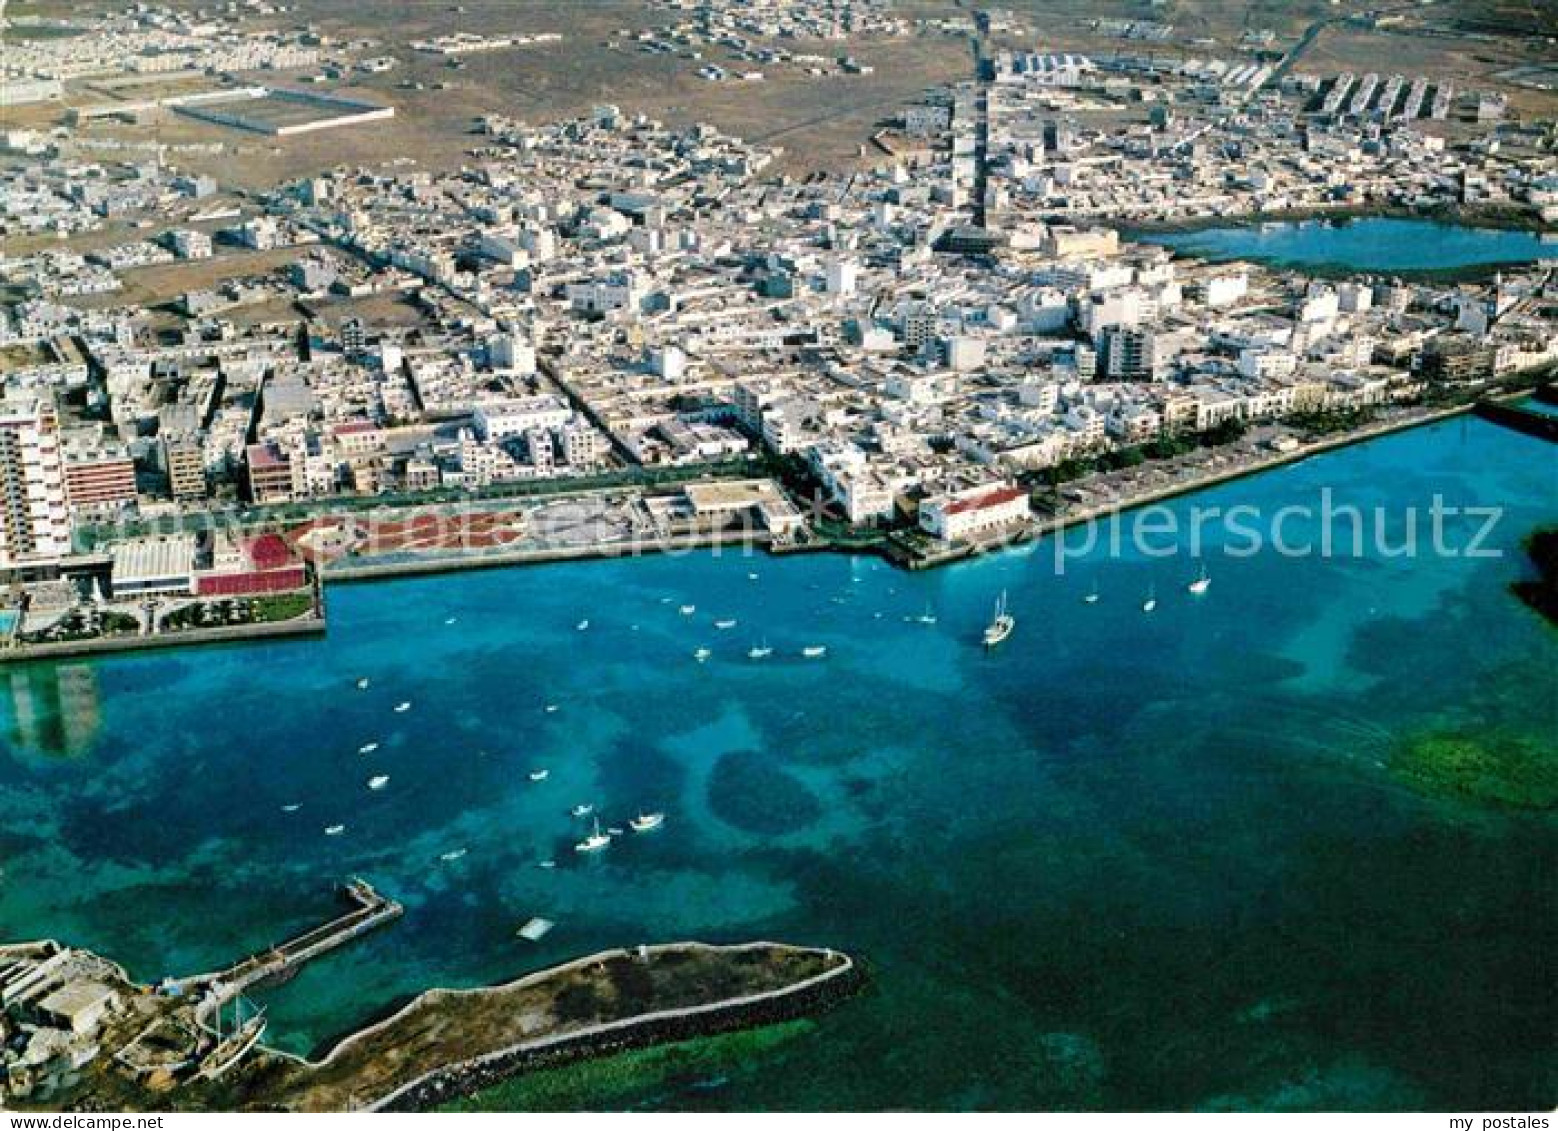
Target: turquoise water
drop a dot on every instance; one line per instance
(1370, 244)
(1125, 861)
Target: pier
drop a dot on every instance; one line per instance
(368, 911)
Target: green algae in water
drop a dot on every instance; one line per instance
(1514, 771)
(666, 1075)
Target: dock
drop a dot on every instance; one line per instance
(367, 911)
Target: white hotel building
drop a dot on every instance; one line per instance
(960, 515)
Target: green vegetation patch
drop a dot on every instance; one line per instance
(283, 606)
(1493, 768)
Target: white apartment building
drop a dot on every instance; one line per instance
(502, 420)
(34, 517)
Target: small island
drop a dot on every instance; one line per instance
(81, 1035)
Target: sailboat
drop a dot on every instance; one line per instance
(1001, 626)
(1092, 594)
(582, 811)
(1202, 583)
(759, 651)
(647, 822)
(1152, 600)
(927, 617)
(596, 841)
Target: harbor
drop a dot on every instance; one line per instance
(856, 799)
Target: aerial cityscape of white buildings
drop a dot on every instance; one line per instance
(612, 292)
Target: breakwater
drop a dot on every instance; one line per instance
(808, 998)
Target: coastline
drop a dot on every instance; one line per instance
(743, 540)
(1061, 523)
(382, 571)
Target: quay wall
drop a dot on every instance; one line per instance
(225, 634)
(374, 571)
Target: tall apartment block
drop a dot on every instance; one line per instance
(34, 517)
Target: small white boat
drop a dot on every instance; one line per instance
(367, 748)
(582, 810)
(814, 651)
(615, 831)
(751, 577)
(1201, 584)
(702, 655)
(722, 624)
(452, 856)
(1001, 626)
(378, 781)
(927, 617)
(551, 708)
(334, 830)
(540, 775)
(687, 610)
(759, 652)
(293, 808)
(451, 620)
(362, 684)
(536, 929)
(546, 863)
(647, 822)
(582, 625)
(1151, 602)
(402, 708)
(1092, 595)
(596, 841)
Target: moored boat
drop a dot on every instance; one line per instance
(596, 841)
(1001, 626)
